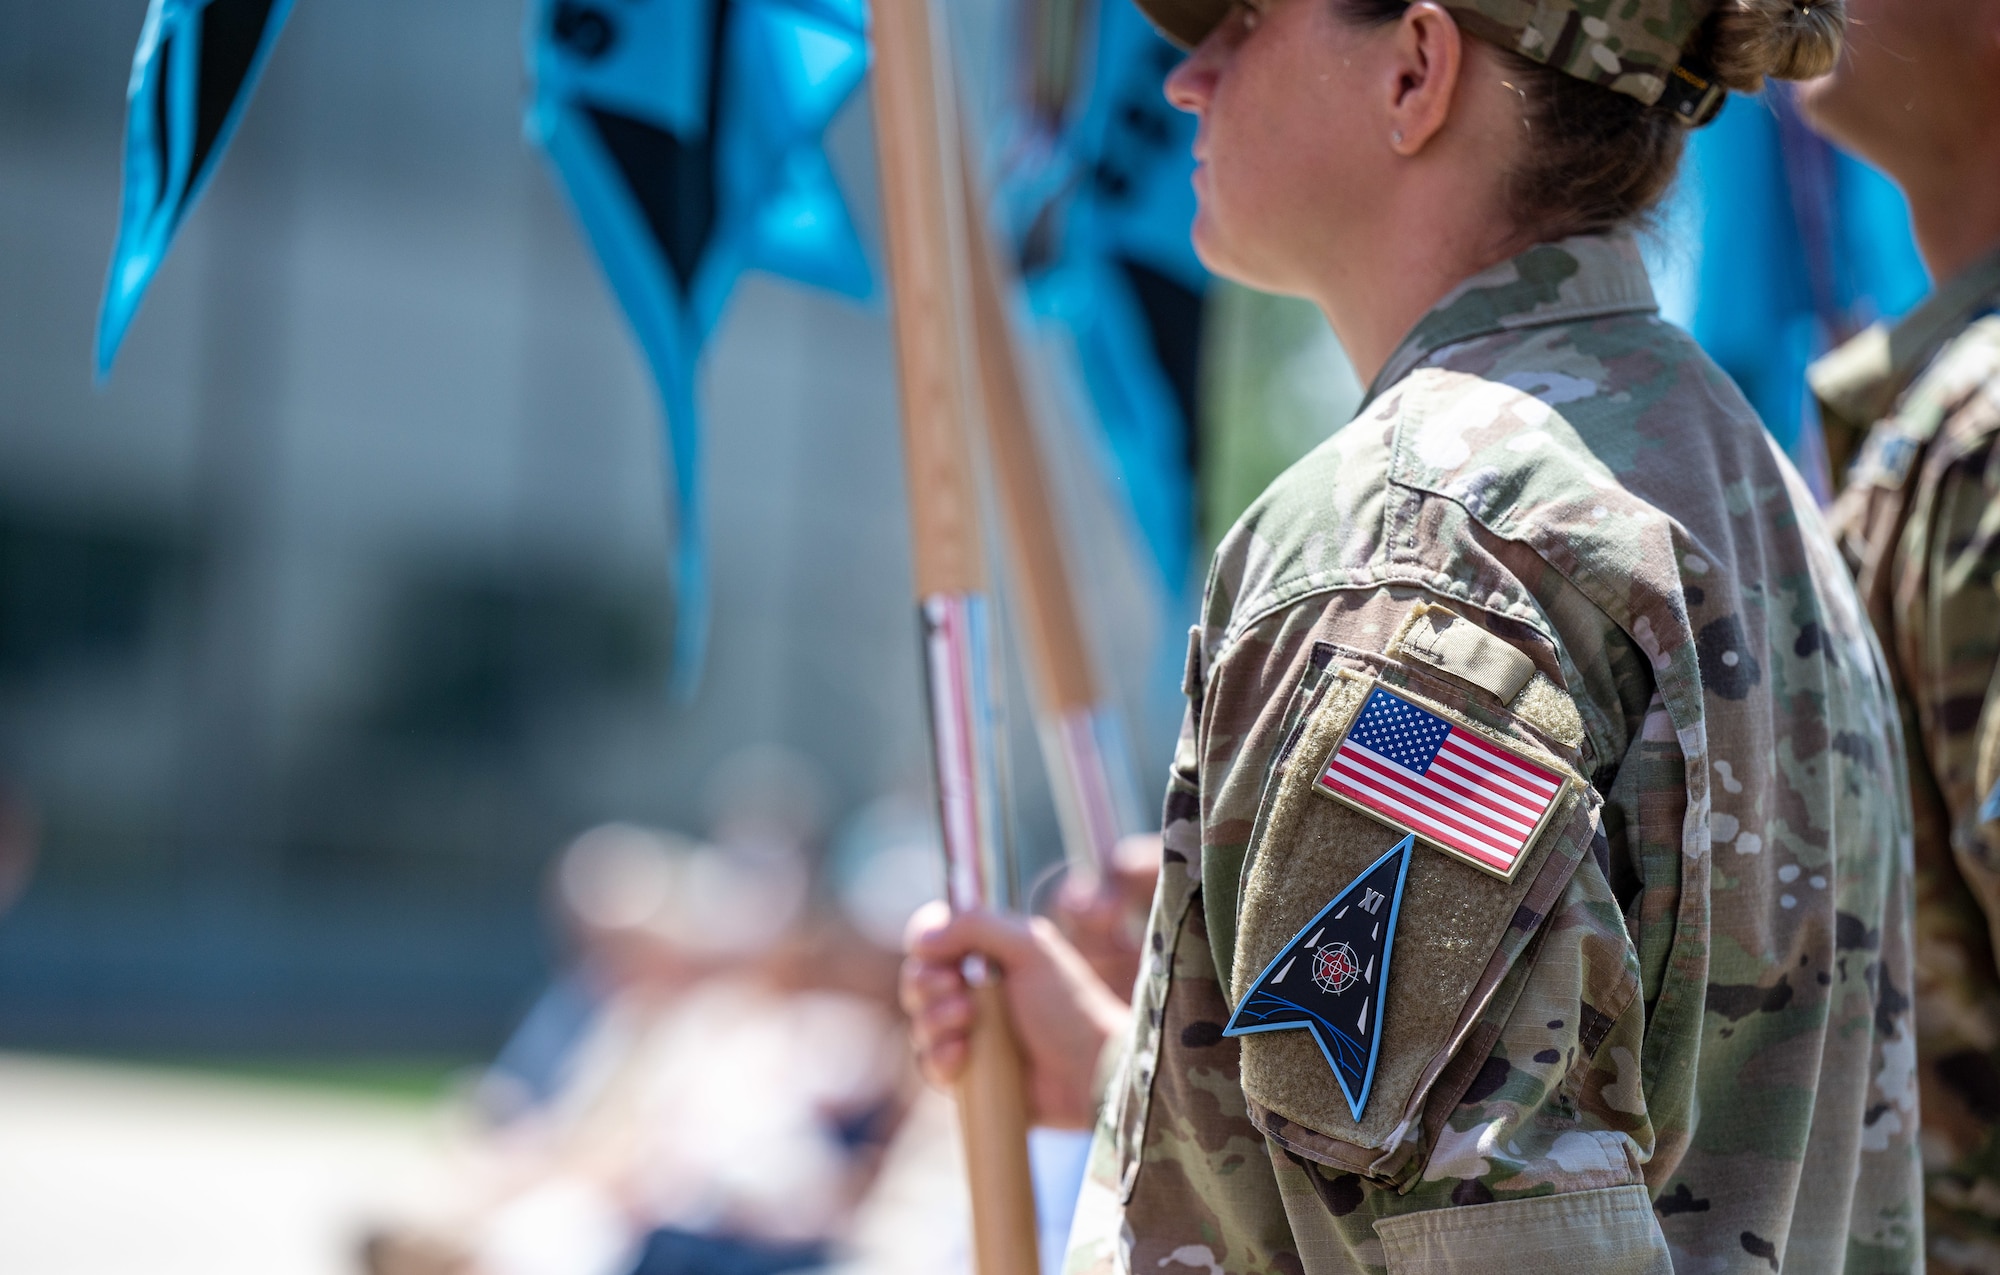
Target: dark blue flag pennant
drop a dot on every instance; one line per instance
(1332, 979)
(197, 63)
(688, 135)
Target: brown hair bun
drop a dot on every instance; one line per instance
(1787, 39)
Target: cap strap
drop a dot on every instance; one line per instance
(1692, 94)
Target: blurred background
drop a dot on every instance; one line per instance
(344, 605)
(337, 756)
(344, 602)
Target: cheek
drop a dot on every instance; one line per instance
(1888, 43)
(1251, 135)
(1293, 155)
(1283, 137)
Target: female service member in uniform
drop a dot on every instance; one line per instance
(1536, 880)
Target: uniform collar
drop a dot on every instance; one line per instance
(1585, 277)
(1860, 382)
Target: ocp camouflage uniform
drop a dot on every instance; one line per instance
(1679, 1037)
(1919, 521)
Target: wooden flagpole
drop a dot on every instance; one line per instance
(917, 141)
(1043, 590)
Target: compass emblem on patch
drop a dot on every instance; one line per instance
(1341, 962)
(1335, 968)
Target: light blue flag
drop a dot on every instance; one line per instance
(688, 135)
(1778, 248)
(197, 64)
(1104, 222)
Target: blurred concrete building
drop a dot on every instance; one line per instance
(344, 603)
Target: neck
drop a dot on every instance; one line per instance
(1373, 296)
(1955, 210)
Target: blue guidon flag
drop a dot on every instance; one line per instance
(1330, 980)
(687, 134)
(1462, 792)
(198, 62)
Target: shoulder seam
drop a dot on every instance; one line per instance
(1277, 601)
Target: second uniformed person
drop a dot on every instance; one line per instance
(1918, 92)
(1536, 880)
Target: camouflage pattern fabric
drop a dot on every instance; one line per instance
(1919, 520)
(1693, 1051)
(1630, 46)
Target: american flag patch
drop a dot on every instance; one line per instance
(1454, 788)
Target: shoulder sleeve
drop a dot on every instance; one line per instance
(1947, 603)
(1423, 879)
(1416, 818)
(1960, 624)
(1986, 815)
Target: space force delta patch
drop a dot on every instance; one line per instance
(1486, 834)
(1330, 980)
(1421, 773)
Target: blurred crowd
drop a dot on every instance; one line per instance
(717, 1080)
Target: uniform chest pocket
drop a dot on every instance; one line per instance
(1409, 846)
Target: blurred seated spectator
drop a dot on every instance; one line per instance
(709, 1087)
(610, 892)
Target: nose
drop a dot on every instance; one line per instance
(1191, 84)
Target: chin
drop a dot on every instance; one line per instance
(1204, 237)
(1814, 98)
(1835, 109)
(1211, 246)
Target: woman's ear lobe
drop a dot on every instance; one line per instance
(1430, 51)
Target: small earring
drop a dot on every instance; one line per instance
(1397, 137)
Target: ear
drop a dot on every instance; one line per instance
(1427, 58)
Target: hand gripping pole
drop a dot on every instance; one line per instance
(917, 147)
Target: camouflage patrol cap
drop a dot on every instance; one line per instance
(1634, 47)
